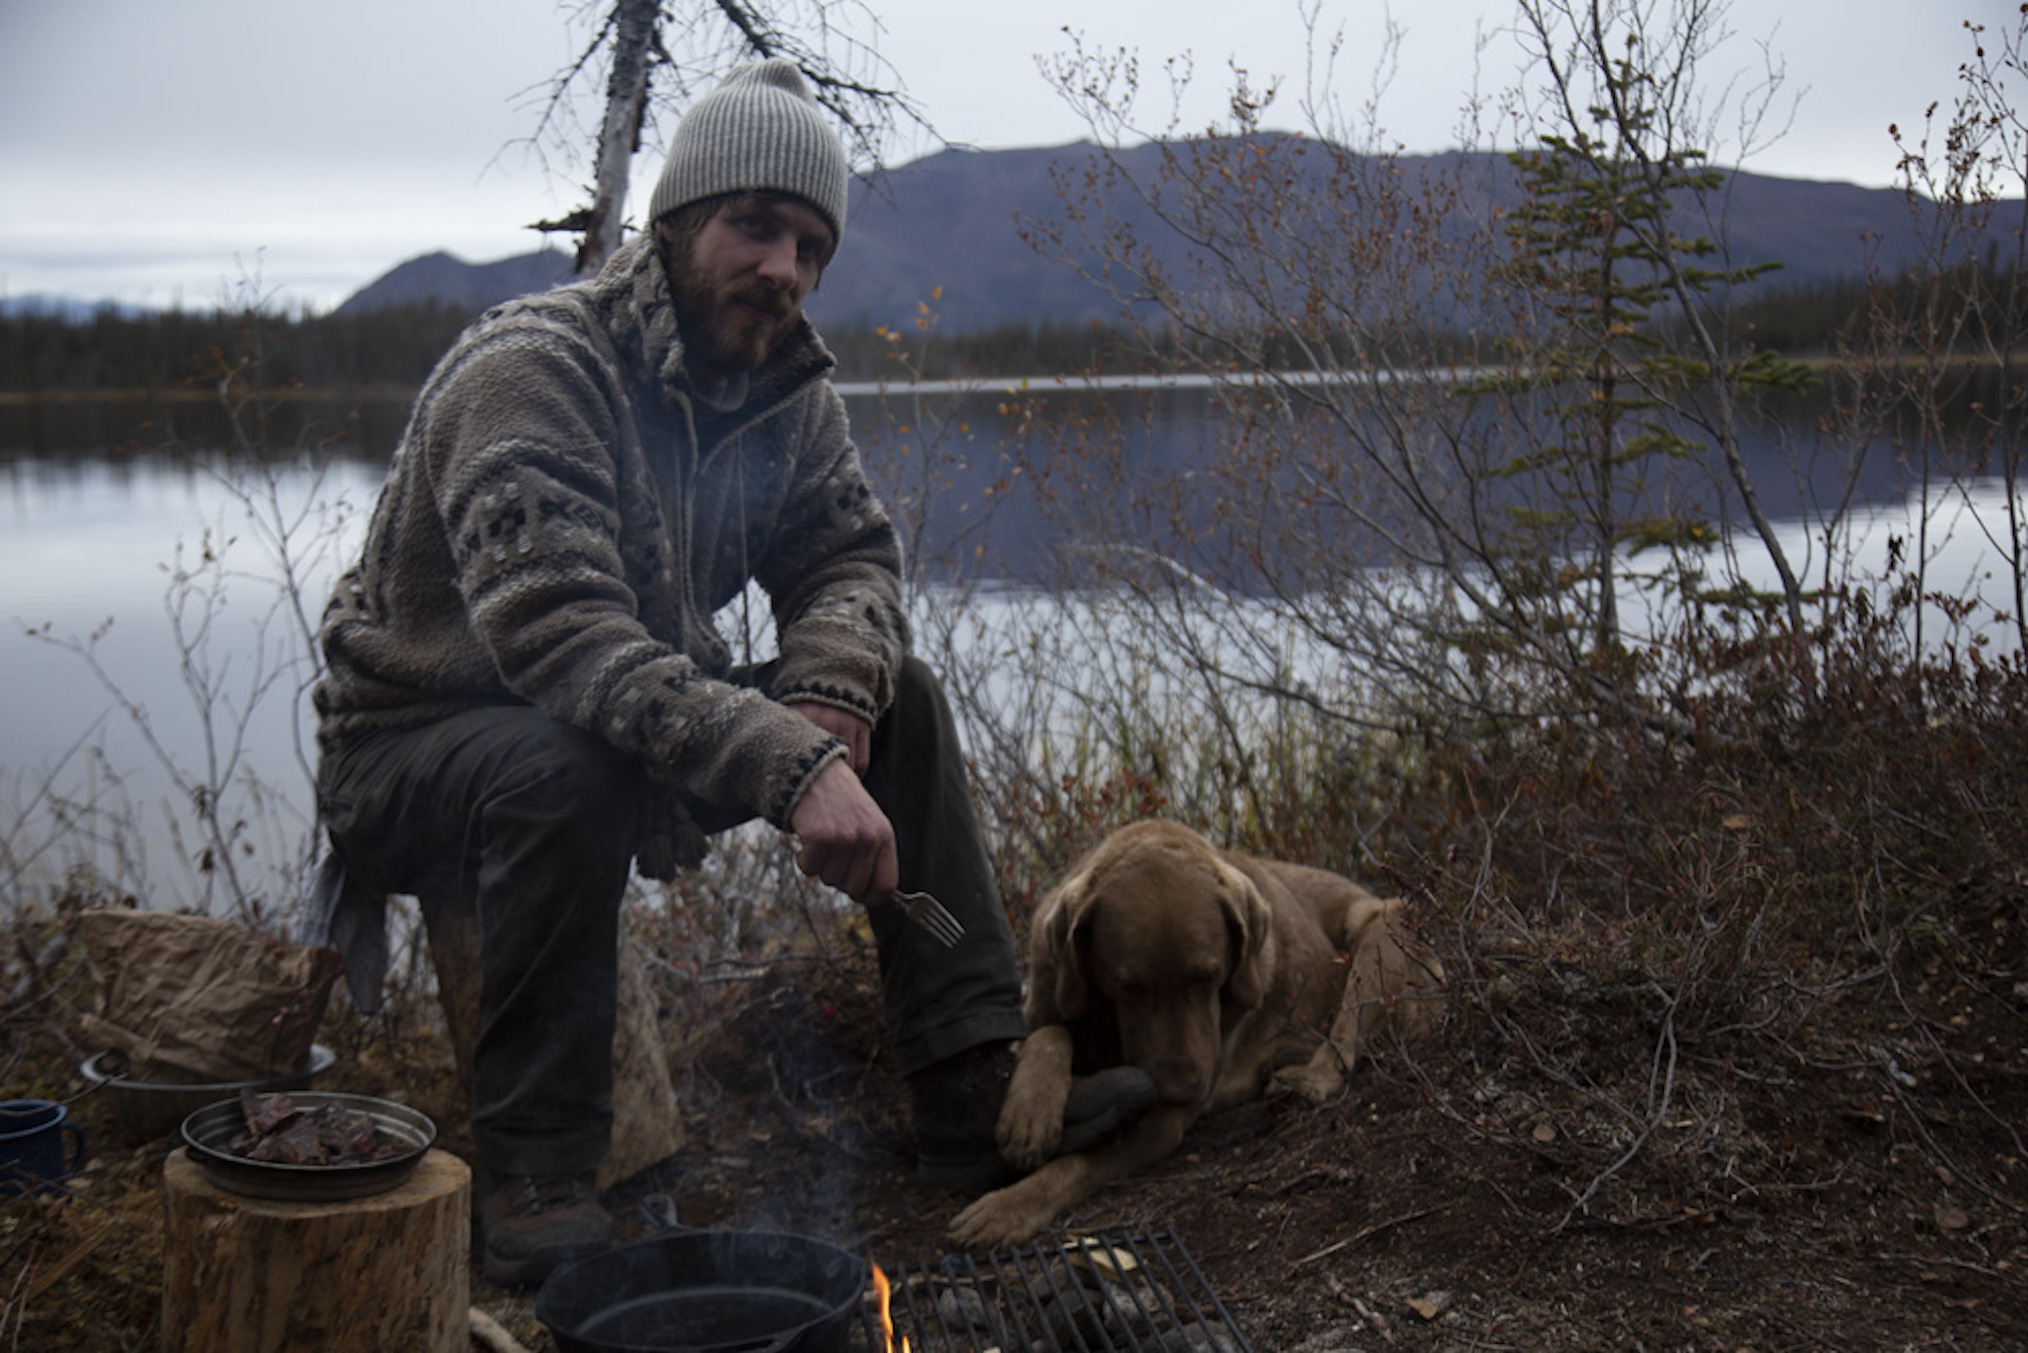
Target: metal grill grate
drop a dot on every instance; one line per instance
(1097, 1294)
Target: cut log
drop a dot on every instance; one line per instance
(647, 1128)
(250, 1275)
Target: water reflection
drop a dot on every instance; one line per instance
(96, 534)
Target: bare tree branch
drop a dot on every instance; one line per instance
(658, 54)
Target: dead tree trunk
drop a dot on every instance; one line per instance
(635, 37)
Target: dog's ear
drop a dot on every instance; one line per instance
(1056, 981)
(1249, 924)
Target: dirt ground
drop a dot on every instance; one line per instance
(1862, 1189)
(1435, 1205)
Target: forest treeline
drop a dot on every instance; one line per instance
(395, 348)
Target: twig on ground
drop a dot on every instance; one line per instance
(1658, 1110)
(59, 1270)
(1369, 1232)
(491, 1335)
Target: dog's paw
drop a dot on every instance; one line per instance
(1030, 1126)
(1030, 1129)
(1316, 1080)
(1006, 1216)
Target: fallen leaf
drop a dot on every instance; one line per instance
(1952, 1219)
(1101, 1259)
(1431, 1306)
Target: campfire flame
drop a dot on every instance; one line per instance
(880, 1285)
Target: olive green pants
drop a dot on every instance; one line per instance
(536, 823)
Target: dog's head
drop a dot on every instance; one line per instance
(1156, 935)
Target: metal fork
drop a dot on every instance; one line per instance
(929, 913)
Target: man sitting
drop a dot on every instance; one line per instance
(526, 693)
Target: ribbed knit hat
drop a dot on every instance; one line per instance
(759, 130)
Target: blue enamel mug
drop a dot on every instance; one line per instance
(31, 1146)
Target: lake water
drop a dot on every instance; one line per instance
(93, 545)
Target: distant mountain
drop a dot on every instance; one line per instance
(951, 224)
(953, 221)
(454, 283)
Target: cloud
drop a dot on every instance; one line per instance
(155, 146)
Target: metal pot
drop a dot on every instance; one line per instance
(140, 1111)
(688, 1291)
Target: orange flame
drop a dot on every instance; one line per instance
(880, 1285)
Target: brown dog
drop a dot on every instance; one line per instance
(1208, 970)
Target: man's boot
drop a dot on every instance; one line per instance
(530, 1225)
(957, 1114)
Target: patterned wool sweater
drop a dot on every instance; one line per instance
(565, 515)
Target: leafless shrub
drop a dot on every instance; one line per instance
(1744, 838)
(240, 600)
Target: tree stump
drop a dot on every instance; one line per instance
(647, 1127)
(250, 1275)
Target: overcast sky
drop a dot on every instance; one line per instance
(165, 151)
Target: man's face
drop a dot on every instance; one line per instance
(740, 281)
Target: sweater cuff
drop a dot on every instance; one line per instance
(828, 693)
(785, 807)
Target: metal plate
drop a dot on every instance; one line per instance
(207, 1135)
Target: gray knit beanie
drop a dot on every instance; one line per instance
(759, 130)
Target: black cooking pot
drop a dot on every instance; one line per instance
(687, 1291)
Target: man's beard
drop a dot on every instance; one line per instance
(719, 332)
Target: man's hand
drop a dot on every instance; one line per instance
(850, 729)
(843, 837)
